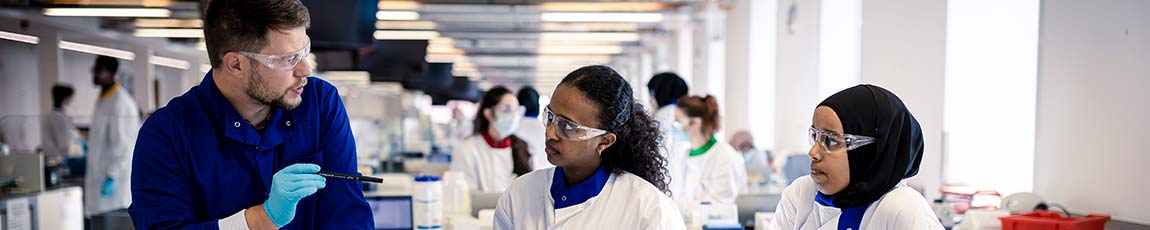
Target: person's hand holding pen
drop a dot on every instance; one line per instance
(289, 186)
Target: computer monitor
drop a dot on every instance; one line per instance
(391, 212)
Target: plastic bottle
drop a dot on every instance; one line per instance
(427, 202)
(456, 194)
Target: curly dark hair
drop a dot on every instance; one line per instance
(636, 148)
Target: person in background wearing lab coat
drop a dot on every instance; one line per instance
(664, 90)
(866, 143)
(113, 137)
(609, 173)
(493, 156)
(715, 172)
(58, 128)
(531, 129)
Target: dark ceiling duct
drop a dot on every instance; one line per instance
(395, 60)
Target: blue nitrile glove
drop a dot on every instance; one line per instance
(290, 185)
(109, 187)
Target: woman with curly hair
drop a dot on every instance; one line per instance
(609, 173)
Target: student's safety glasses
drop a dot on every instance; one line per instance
(831, 142)
(567, 129)
(280, 61)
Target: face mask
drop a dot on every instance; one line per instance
(680, 134)
(506, 125)
(748, 155)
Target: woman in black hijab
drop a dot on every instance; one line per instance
(865, 143)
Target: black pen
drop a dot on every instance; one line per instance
(350, 177)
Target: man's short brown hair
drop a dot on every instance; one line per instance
(242, 25)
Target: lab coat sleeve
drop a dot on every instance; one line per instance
(122, 134)
(341, 204)
(904, 208)
(911, 219)
(667, 216)
(723, 185)
(161, 196)
(786, 211)
(461, 161)
(503, 215)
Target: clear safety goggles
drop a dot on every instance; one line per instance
(509, 110)
(831, 142)
(567, 129)
(280, 61)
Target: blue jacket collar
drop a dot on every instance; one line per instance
(569, 196)
(234, 126)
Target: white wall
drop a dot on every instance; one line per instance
(839, 41)
(750, 70)
(18, 89)
(1094, 70)
(797, 73)
(903, 50)
(991, 71)
(18, 78)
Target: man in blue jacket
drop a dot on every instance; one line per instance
(241, 150)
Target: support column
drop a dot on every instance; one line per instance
(904, 51)
(143, 79)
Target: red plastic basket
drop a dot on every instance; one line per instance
(1046, 220)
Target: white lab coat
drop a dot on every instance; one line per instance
(115, 124)
(626, 202)
(717, 176)
(57, 137)
(901, 208)
(486, 169)
(676, 154)
(531, 130)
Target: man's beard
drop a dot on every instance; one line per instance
(259, 91)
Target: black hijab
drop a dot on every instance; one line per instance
(667, 87)
(876, 168)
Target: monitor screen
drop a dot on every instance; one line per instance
(391, 212)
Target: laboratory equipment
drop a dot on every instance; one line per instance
(427, 197)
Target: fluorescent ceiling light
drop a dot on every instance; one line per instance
(405, 34)
(446, 41)
(20, 37)
(397, 15)
(443, 50)
(398, 5)
(557, 68)
(589, 27)
(171, 62)
(592, 36)
(110, 12)
(601, 17)
(169, 23)
(170, 33)
(147, 3)
(97, 50)
(603, 6)
(580, 49)
(405, 25)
